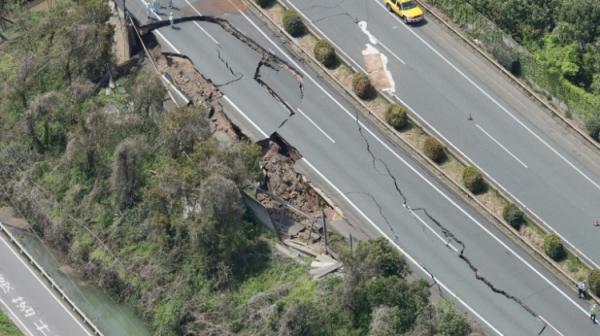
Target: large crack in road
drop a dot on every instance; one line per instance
(447, 233)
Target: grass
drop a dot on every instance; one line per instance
(7, 328)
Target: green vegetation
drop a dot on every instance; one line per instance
(361, 85)
(325, 53)
(561, 40)
(473, 180)
(513, 216)
(594, 282)
(293, 24)
(7, 328)
(396, 117)
(434, 150)
(147, 204)
(554, 247)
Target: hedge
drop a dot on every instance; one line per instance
(594, 281)
(554, 247)
(396, 117)
(362, 87)
(513, 216)
(434, 150)
(293, 24)
(325, 53)
(473, 180)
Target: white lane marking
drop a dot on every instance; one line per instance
(176, 89)
(245, 116)
(315, 124)
(44, 286)
(521, 203)
(423, 269)
(551, 326)
(199, 26)
(168, 42)
(446, 241)
(413, 168)
(501, 146)
(16, 318)
(496, 102)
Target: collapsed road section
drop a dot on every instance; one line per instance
(352, 178)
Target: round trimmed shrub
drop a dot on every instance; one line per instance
(554, 247)
(293, 24)
(362, 87)
(434, 150)
(513, 216)
(473, 180)
(396, 117)
(264, 3)
(325, 53)
(594, 281)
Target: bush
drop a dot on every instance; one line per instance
(362, 87)
(594, 281)
(434, 150)
(396, 117)
(325, 53)
(592, 124)
(264, 3)
(554, 247)
(293, 24)
(473, 180)
(513, 215)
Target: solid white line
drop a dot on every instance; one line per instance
(494, 100)
(414, 169)
(199, 26)
(446, 242)
(245, 116)
(315, 124)
(501, 146)
(521, 203)
(176, 89)
(399, 248)
(168, 42)
(551, 326)
(16, 317)
(44, 286)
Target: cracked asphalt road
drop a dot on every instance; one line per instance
(384, 183)
(545, 166)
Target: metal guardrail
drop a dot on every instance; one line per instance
(53, 285)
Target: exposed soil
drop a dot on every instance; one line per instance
(281, 180)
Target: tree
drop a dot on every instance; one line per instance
(473, 180)
(434, 150)
(147, 92)
(594, 282)
(384, 321)
(300, 319)
(361, 85)
(376, 257)
(293, 24)
(396, 117)
(182, 128)
(325, 53)
(554, 247)
(513, 216)
(126, 175)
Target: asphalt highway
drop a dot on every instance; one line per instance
(442, 82)
(27, 300)
(374, 181)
